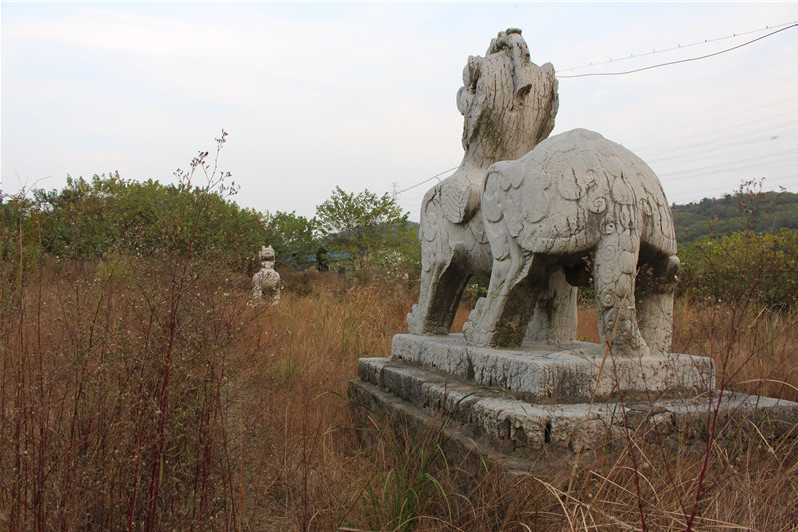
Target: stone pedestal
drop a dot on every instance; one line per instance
(543, 373)
(541, 216)
(514, 405)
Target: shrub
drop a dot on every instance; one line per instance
(745, 265)
(87, 219)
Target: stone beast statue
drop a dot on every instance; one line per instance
(509, 105)
(578, 199)
(266, 283)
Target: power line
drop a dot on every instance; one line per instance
(715, 120)
(680, 60)
(425, 181)
(677, 47)
(681, 194)
(687, 195)
(737, 129)
(684, 159)
(776, 161)
(778, 135)
(736, 174)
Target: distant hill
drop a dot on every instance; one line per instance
(766, 212)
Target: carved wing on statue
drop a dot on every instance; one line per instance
(458, 201)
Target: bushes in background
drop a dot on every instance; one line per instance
(759, 266)
(90, 218)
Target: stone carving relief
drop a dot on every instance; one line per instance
(508, 104)
(266, 283)
(576, 206)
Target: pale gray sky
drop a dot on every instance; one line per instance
(363, 95)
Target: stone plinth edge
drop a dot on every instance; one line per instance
(567, 373)
(518, 429)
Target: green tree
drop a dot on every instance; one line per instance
(749, 208)
(21, 223)
(293, 237)
(357, 225)
(90, 218)
(77, 217)
(761, 267)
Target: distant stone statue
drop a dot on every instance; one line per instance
(508, 104)
(575, 201)
(266, 283)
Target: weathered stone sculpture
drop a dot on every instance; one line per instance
(509, 105)
(571, 209)
(575, 200)
(266, 283)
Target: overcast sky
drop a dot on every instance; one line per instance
(363, 95)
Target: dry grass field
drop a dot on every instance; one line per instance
(148, 395)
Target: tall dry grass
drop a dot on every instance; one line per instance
(122, 409)
(301, 459)
(113, 396)
(755, 348)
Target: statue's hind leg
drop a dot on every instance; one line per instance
(656, 284)
(500, 319)
(615, 263)
(555, 317)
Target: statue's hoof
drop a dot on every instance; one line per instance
(470, 327)
(468, 331)
(474, 337)
(477, 310)
(415, 321)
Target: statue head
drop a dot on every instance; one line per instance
(507, 101)
(266, 254)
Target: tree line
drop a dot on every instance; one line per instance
(355, 231)
(743, 244)
(748, 208)
(88, 219)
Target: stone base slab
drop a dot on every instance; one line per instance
(496, 422)
(563, 374)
